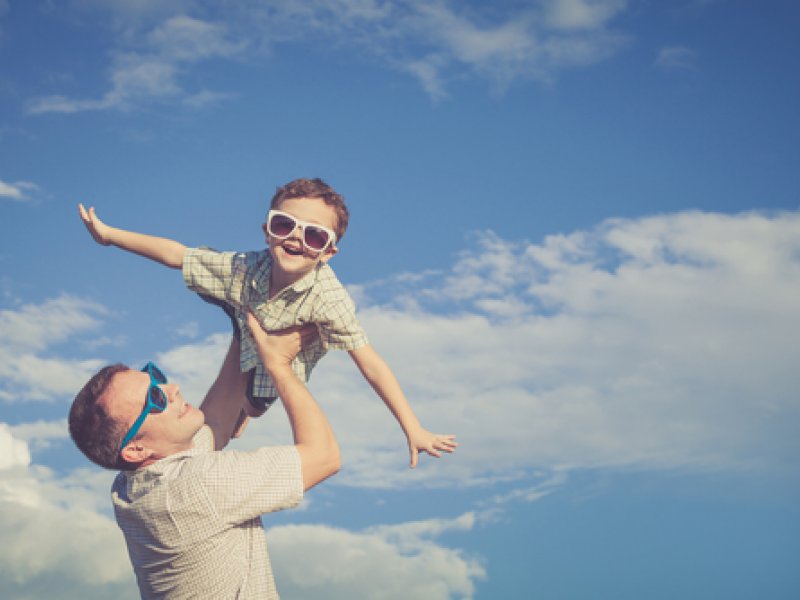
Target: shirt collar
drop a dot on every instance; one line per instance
(263, 270)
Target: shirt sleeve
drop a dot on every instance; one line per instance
(336, 319)
(245, 485)
(216, 274)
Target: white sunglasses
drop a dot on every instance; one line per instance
(315, 237)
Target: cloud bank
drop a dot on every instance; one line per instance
(659, 342)
(663, 342)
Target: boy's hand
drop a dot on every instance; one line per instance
(98, 229)
(432, 443)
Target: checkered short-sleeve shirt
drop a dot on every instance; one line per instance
(192, 522)
(241, 280)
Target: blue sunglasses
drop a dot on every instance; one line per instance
(156, 400)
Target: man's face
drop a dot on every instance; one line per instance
(162, 433)
(291, 259)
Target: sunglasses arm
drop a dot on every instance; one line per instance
(134, 429)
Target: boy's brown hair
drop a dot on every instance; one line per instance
(315, 188)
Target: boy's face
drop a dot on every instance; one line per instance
(291, 259)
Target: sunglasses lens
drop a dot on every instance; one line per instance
(315, 238)
(281, 225)
(157, 398)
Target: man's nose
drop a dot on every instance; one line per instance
(171, 390)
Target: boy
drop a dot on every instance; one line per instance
(287, 284)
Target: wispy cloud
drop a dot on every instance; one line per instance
(41, 434)
(28, 331)
(19, 191)
(676, 57)
(151, 70)
(159, 46)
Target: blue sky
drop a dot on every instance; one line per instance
(574, 236)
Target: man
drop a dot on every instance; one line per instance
(191, 515)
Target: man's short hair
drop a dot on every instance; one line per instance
(315, 188)
(95, 432)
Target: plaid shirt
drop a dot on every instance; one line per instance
(241, 280)
(192, 522)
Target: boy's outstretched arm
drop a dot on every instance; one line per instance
(165, 251)
(382, 379)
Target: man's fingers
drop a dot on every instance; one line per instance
(254, 325)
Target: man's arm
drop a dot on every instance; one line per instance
(165, 251)
(383, 381)
(313, 435)
(225, 398)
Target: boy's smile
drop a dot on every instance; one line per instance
(292, 260)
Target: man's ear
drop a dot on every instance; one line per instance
(266, 232)
(135, 453)
(329, 254)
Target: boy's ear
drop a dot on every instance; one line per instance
(329, 254)
(135, 452)
(265, 230)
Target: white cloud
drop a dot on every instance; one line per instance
(19, 191)
(55, 543)
(30, 330)
(60, 541)
(13, 452)
(676, 57)
(397, 561)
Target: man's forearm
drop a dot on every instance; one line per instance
(313, 435)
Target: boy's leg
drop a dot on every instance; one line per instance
(251, 409)
(241, 424)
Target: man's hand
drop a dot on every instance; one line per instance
(98, 229)
(278, 348)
